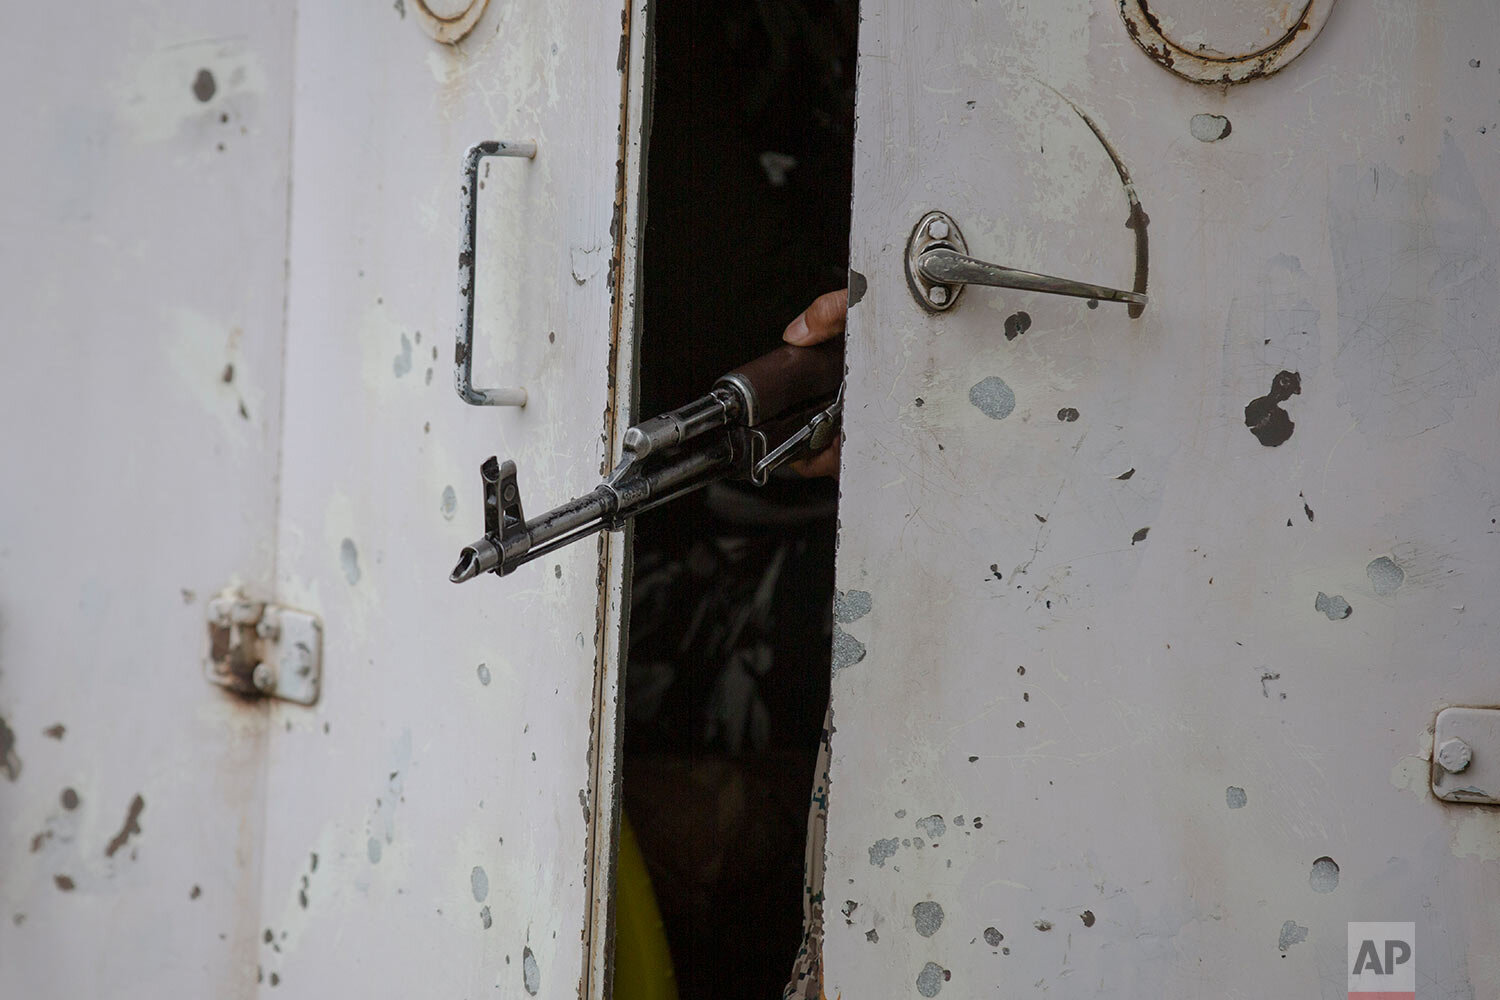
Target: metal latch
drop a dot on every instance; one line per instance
(263, 650)
(1466, 756)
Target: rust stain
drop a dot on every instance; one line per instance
(598, 930)
(1145, 29)
(132, 825)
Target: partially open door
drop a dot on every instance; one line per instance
(1149, 611)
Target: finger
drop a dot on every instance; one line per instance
(824, 463)
(823, 320)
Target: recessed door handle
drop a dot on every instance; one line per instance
(938, 266)
(463, 358)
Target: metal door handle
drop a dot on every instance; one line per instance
(463, 358)
(938, 266)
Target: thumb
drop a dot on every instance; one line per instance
(823, 320)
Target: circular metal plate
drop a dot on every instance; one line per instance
(1211, 41)
(448, 21)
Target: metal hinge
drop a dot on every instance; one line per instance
(263, 650)
(1466, 756)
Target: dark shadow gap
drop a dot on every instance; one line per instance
(748, 188)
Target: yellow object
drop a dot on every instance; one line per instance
(643, 962)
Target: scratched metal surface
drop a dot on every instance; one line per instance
(427, 827)
(1127, 673)
(142, 280)
(451, 800)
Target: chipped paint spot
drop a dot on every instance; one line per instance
(63, 883)
(1385, 576)
(479, 882)
(69, 799)
(1270, 424)
(349, 558)
(847, 650)
(1335, 607)
(1291, 933)
(401, 364)
(450, 502)
(871, 936)
(1140, 535)
(933, 826)
(8, 758)
(531, 974)
(1087, 916)
(204, 86)
(1042, 925)
(1234, 796)
(993, 397)
(1324, 876)
(930, 979)
(484, 917)
(52, 732)
(132, 825)
(372, 850)
(993, 937)
(882, 850)
(1210, 128)
(1017, 324)
(851, 606)
(858, 285)
(928, 917)
(484, 674)
(1067, 414)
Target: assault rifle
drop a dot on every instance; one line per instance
(780, 407)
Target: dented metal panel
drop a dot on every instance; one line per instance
(1192, 587)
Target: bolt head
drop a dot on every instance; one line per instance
(1453, 755)
(938, 229)
(267, 629)
(264, 678)
(938, 295)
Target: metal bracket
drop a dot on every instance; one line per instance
(264, 650)
(463, 358)
(1466, 756)
(818, 434)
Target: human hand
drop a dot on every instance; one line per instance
(823, 320)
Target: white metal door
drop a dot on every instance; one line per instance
(1140, 650)
(230, 301)
(145, 172)
(432, 823)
